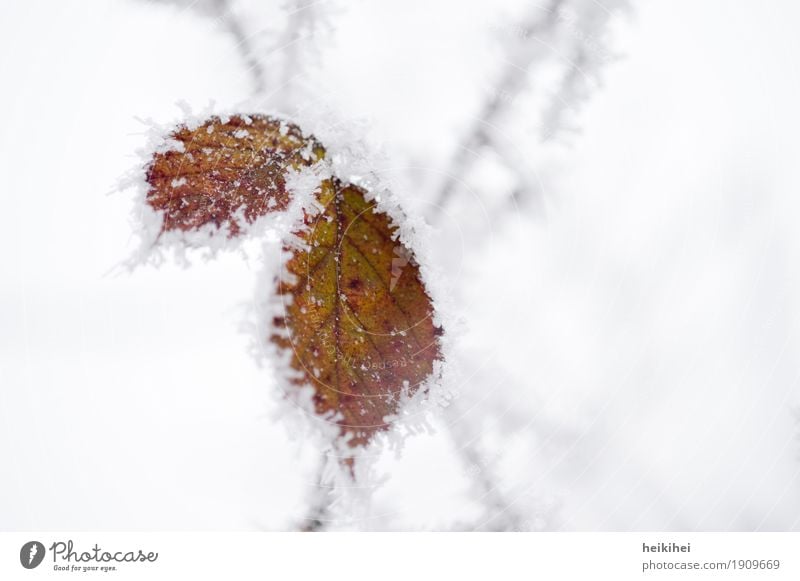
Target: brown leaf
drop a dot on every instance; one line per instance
(225, 171)
(359, 321)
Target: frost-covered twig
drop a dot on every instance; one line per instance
(479, 469)
(225, 14)
(570, 30)
(510, 84)
(230, 21)
(487, 491)
(318, 511)
(583, 23)
(298, 43)
(277, 44)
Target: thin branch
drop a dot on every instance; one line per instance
(318, 513)
(228, 18)
(512, 81)
(478, 467)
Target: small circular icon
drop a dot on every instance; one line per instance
(31, 554)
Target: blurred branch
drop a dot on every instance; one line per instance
(318, 511)
(570, 29)
(304, 20)
(485, 485)
(294, 41)
(229, 20)
(510, 84)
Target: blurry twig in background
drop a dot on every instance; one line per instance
(277, 43)
(226, 16)
(567, 30)
(485, 485)
(571, 32)
(306, 19)
(511, 82)
(224, 12)
(318, 509)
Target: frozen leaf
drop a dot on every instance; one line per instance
(357, 318)
(226, 171)
(357, 322)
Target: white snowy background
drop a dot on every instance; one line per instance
(629, 346)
